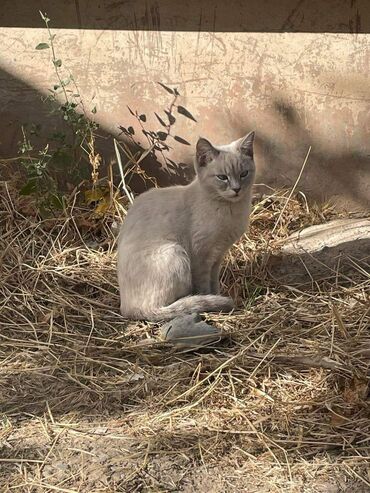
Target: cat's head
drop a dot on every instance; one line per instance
(227, 172)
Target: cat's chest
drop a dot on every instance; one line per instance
(218, 230)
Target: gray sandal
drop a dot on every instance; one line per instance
(189, 331)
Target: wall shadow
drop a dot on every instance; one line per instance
(330, 165)
(351, 16)
(326, 175)
(25, 107)
(341, 173)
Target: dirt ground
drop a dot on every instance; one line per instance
(281, 405)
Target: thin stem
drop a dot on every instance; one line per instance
(123, 181)
(292, 191)
(46, 20)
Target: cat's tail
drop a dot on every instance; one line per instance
(190, 304)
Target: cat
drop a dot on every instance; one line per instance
(173, 239)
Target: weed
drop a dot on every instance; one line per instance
(71, 150)
(67, 150)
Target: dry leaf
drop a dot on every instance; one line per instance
(103, 206)
(94, 195)
(337, 419)
(356, 390)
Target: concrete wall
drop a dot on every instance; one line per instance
(297, 72)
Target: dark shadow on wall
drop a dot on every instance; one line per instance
(340, 173)
(24, 106)
(327, 173)
(332, 16)
(329, 169)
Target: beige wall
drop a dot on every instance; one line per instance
(296, 89)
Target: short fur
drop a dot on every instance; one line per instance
(173, 239)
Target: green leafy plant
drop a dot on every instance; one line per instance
(68, 150)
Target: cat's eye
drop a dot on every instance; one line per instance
(222, 177)
(244, 174)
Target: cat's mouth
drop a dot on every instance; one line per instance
(235, 197)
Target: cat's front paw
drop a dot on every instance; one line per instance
(226, 304)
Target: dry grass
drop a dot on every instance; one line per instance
(87, 407)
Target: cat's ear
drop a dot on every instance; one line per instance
(205, 152)
(245, 145)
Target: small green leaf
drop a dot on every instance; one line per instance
(93, 110)
(42, 46)
(56, 201)
(168, 89)
(57, 63)
(181, 140)
(43, 211)
(131, 130)
(62, 160)
(185, 112)
(143, 118)
(29, 188)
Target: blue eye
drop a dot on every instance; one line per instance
(244, 174)
(222, 177)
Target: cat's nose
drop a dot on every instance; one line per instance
(236, 190)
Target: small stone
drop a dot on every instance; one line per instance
(321, 252)
(62, 466)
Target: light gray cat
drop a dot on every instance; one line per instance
(173, 239)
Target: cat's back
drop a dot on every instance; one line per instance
(155, 212)
(156, 200)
